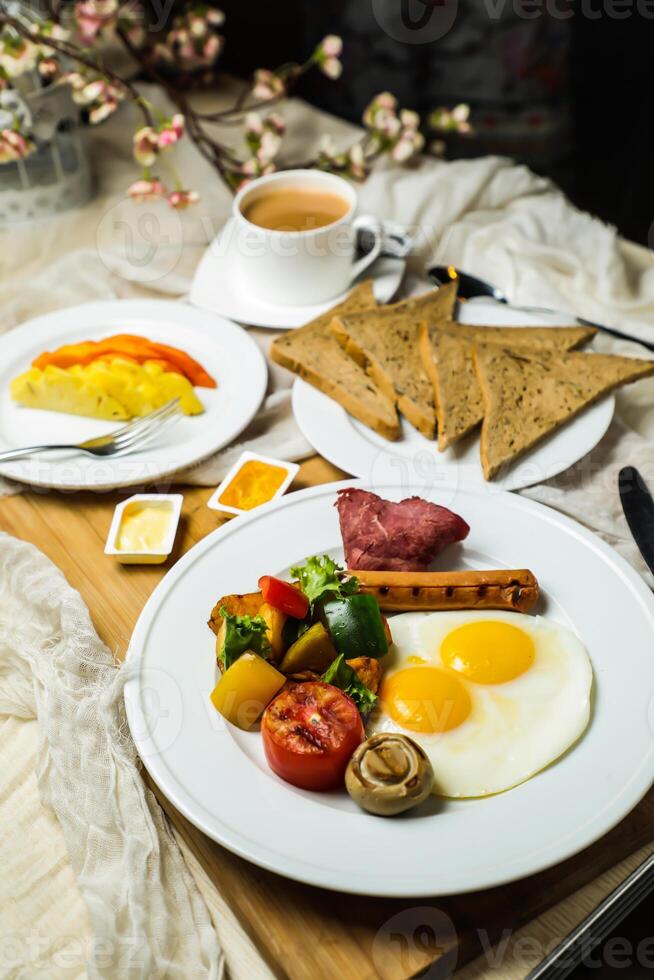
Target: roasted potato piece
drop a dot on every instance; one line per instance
(313, 650)
(368, 670)
(304, 675)
(247, 604)
(275, 620)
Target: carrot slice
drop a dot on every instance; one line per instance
(186, 364)
(67, 356)
(137, 348)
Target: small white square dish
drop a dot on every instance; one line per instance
(253, 480)
(143, 528)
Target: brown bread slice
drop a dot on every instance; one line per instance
(529, 395)
(313, 353)
(447, 358)
(385, 343)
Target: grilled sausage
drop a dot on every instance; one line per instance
(502, 588)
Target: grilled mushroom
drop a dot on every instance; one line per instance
(388, 774)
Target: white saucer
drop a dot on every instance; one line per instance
(218, 287)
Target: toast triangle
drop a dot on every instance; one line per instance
(528, 395)
(385, 342)
(447, 357)
(313, 353)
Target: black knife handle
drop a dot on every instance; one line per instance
(617, 333)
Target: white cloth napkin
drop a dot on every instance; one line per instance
(146, 917)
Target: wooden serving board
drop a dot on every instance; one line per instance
(303, 933)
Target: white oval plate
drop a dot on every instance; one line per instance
(222, 347)
(355, 448)
(217, 776)
(218, 286)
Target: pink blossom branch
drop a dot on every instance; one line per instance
(71, 51)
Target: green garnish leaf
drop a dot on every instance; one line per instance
(243, 633)
(340, 674)
(323, 577)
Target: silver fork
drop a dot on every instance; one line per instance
(121, 441)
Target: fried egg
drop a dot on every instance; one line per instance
(491, 697)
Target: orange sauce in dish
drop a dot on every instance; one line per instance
(254, 484)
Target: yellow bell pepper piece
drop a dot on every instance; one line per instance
(245, 689)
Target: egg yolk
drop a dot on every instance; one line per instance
(425, 699)
(488, 651)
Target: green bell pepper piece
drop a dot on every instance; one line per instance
(356, 626)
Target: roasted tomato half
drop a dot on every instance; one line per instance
(309, 733)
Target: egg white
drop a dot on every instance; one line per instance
(514, 729)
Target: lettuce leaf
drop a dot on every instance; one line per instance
(322, 578)
(341, 675)
(243, 633)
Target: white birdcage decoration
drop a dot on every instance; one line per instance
(56, 176)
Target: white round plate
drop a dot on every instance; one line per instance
(216, 775)
(355, 448)
(219, 287)
(223, 348)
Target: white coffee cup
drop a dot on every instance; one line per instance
(298, 268)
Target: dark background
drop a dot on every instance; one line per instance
(570, 96)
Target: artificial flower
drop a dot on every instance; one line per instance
(384, 100)
(253, 124)
(326, 55)
(332, 68)
(98, 113)
(93, 16)
(171, 131)
(275, 123)
(409, 119)
(17, 55)
(269, 145)
(192, 43)
(49, 28)
(146, 190)
(454, 120)
(48, 67)
(332, 45)
(14, 146)
(253, 167)
(198, 26)
(88, 92)
(146, 145)
(267, 85)
(250, 167)
(357, 162)
(181, 199)
(403, 150)
(99, 96)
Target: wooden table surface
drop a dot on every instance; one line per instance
(303, 933)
